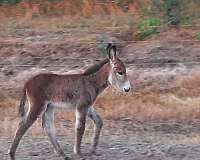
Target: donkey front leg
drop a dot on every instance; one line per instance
(81, 113)
(93, 115)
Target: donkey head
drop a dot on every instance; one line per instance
(117, 77)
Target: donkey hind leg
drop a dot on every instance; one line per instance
(93, 115)
(81, 113)
(48, 125)
(24, 125)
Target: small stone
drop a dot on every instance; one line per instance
(34, 154)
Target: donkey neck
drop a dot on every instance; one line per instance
(99, 79)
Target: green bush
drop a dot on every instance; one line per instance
(101, 45)
(9, 2)
(197, 35)
(170, 9)
(147, 27)
(176, 12)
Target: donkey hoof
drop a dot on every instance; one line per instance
(12, 155)
(67, 158)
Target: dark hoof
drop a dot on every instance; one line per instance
(12, 155)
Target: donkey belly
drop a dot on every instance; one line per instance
(64, 105)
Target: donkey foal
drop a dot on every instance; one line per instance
(45, 92)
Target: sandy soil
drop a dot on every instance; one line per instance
(123, 140)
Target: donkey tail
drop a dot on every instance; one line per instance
(22, 103)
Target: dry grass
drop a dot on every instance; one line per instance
(70, 8)
(123, 25)
(189, 86)
(181, 103)
(8, 109)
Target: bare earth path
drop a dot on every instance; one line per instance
(120, 140)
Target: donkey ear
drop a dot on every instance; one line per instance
(111, 51)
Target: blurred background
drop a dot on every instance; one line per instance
(159, 41)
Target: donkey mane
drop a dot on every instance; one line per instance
(94, 68)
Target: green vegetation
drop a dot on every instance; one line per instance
(148, 27)
(101, 46)
(177, 12)
(197, 35)
(9, 2)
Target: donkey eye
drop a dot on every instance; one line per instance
(120, 73)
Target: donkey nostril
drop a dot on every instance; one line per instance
(126, 90)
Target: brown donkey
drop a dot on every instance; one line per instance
(79, 91)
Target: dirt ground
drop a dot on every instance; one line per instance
(158, 120)
(123, 140)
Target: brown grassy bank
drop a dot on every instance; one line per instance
(69, 8)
